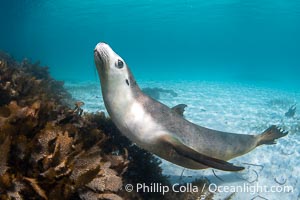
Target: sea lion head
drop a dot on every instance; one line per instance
(113, 70)
(109, 64)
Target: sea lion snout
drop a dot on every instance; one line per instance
(101, 54)
(101, 45)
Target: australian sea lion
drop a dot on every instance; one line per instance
(163, 131)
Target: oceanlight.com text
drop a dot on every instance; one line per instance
(212, 188)
(247, 188)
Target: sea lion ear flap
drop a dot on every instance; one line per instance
(190, 153)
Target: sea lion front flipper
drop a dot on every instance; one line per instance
(190, 153)
(179, 109)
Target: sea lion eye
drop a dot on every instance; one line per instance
(119, 64)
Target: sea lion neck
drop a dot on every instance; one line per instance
(131, 82)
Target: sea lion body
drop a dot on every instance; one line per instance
(162, 131)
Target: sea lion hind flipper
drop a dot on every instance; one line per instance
(270, 135)
(190, 153)
(179, 109)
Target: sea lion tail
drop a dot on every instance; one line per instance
(270, 135)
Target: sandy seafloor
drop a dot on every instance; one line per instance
(238, 108)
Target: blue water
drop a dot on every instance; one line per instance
(233, 62)
(219, 40)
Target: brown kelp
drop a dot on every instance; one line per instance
(50, 149)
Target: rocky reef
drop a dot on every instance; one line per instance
(50, 149)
